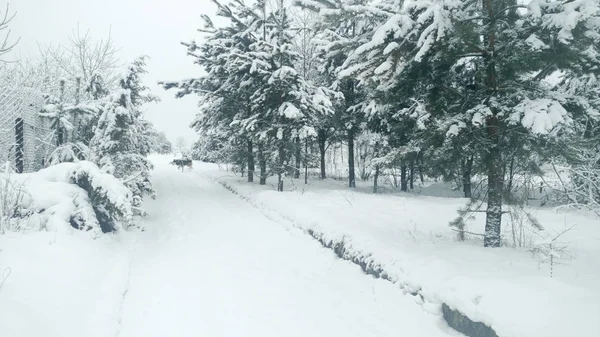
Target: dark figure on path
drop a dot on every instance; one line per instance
(181, 163)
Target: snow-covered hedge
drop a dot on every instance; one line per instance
(68, 195)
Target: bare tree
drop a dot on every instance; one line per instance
(85, 56)
(5, 44)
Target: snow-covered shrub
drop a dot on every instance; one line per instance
(12, 207)
(110, 199)
(133, 170)
(77, 195)
(550, 250)
(213, 147)
(122, 139)
(68, 153)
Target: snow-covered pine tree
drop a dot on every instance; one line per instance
(120, 144)
(285, 105)
(160, 143)
(514, 49)
(226, 88)
(66, 118)
(343, 26)
(252, 94)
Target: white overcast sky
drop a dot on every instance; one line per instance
(151, 27)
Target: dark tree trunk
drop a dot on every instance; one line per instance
(250, 160)
(494, 167)
(281, 168)
(351, 172)
(262, 161)
(403, 180)
(509, 185)
(60, 136)
(298, 156)
(420, 166)
(466, 177)
(412, 174)
(493, 220)
(322, 138)
(306, 162)
(375, 179)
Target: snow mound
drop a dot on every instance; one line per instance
(73, 195)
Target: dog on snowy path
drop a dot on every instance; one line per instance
(182, 163)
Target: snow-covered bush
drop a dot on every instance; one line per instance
(550, 250)
(68, 153)
(122, 137)
(111, 200)
(77, 195)
(12, 194)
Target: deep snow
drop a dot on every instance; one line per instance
(408, 235)
(208, 264)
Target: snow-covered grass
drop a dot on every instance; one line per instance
(408, 236)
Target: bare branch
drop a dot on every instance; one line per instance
(5, 44)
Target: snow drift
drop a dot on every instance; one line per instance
(68, 195)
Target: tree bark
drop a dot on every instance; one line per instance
(306, 162)
(510, 178)
(403, 180)
(281, 168)
(375, 179)
(60, 136)
(298, 156)
(494, 167)
(493, 220)
(262, 161)
(351, 171)
(420, 166)
(466, 177)
(322, 138)
(412, 174)
(250, 161)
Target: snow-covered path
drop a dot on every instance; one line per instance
(211, 265)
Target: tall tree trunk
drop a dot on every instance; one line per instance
(306, 162)
(262, 161)
(412, 174)
(403, 182)
(351, 172)
(509, 186)
(60, 136)
(322, 138)
(493, 220)
(375, 179)
(250, 161)
(420, 166)
(298, 156)
(466, 177)
(281, 168)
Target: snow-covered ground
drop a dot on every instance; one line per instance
(509, 289)
(208, 264)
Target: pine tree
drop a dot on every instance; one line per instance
(252, 94)
(121, 141)
(513, 50)
(342, 27)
